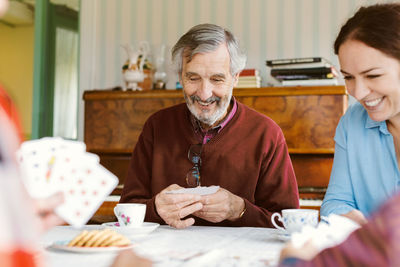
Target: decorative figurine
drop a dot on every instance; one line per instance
(132, 70)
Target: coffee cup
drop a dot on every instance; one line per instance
(130, 214)
(294, 220)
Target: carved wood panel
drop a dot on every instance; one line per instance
(116, 124)
(308, 122)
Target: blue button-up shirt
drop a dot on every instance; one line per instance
(365, 172)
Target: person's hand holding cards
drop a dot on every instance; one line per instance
(50, 165)
(176, 202)
(218, 204)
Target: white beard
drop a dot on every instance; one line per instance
(209, 119)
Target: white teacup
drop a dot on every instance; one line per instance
(130, 214)
(295, 219)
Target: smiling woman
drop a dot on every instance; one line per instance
(367, 153)
(373, 78)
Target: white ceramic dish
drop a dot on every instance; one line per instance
(144, 229)
(62, 245)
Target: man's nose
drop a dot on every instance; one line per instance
(205, 91)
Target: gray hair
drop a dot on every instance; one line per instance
(205, 38)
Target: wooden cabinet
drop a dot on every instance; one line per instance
(308, 117)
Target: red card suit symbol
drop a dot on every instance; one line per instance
(50, 167)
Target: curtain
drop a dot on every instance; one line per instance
(66, 84)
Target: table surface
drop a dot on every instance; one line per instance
(193, 246)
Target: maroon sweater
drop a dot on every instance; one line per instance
(249, 158)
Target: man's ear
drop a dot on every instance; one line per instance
(235, 79)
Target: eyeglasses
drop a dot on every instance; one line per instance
(193, 175)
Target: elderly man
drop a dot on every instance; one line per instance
(210, 140)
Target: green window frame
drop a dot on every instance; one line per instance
(48, 18)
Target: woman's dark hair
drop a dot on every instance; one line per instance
(377, 26)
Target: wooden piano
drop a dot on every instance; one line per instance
(307, 115)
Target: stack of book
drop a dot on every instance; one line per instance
(303, 71)
(249, 78)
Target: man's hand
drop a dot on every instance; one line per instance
(222, 205)
(173, 207)
(44, 209)
(306, 252)
(356, 216)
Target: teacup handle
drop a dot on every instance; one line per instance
(276, 214)
(116, 210)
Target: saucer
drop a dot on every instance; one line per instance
(62, 245)
(144, 229)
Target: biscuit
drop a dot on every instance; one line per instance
(99, 238)
(85, 238)
(74, 241)
(115, 240)
(89, 242)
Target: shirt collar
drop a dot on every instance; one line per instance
(370, 123)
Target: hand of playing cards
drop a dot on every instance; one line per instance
(52, 164)
(200, 190)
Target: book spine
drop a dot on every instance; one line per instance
(249, 72)
(303, 76)
(249, 78)
(303, 65)
(322, 70)
(293, 61)
(310, 82)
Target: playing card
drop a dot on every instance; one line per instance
(37, 159)
(68, 164)
(50, 165)
(86, 185)
(200, 190)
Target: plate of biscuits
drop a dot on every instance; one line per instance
(94, 241)
(144, 229)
